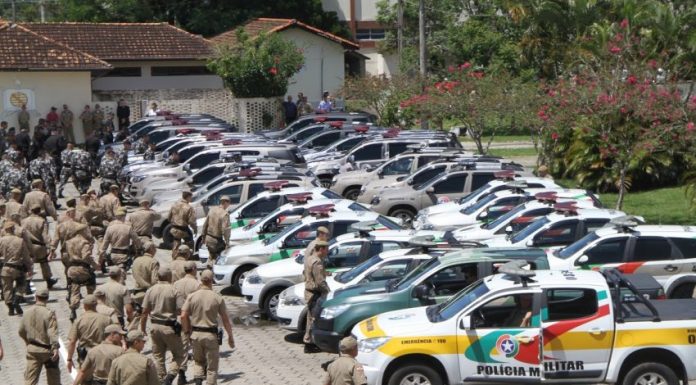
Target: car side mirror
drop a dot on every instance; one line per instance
(508, 229)
(530, 243)
(421, 292)
(465, 323)
(430, 190)
(483, 215)
(583, 260)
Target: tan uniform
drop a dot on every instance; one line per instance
(184, 287)
(109, 203)
(40, 242)
(181, 217)
(119, 235)
(142, 221)
(14, 251)
(95, 218)
(39, 330)
(41, 198)
(66, 123)
(86, 117)
(204, 306)
(117, 296)
(164, 304)
(23, 119)
(13, 207)
(65, 230)
(345, 370)
(216, 230)
(81, 270)
(145, 270)
(133, 368)
(80, 210)
(99, 360)
(177, 267)
(108, 311)
(88, 330)
(315, 286)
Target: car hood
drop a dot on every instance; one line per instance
(475, 233)
(157, 171)
(556, 263)
(440, 208)
(242, 234)
(378, 289)
(283, 268)
(449, 220)
(497, 242)
(408, 322)
(253, 248)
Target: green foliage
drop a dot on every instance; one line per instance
(381, 96)
(258, 67)
(660, 206)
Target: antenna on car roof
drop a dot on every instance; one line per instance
(363, 228)
(516, 270)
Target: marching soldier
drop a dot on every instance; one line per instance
(121, 237)
(108, 169)
(163, 304)
(14, 205)
(95, 369)
(80, 206)
(16, 267)
(81, 169)
(216, 230)
(81, 266)
(185, 286)
(181, 216)
(95, 218)
(145, 270)
(178, 265)
(143, 220)
(132, 367)
(315, 287)
(110, 203)
(117, 296)
(87, 332)
(345, 370)
(199, 316)
(39, 330)
(103, 308)
(39, 197)
(40, 242)
(66, 160)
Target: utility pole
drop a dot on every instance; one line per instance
(42, 11)
(400, 28)
(421, 51)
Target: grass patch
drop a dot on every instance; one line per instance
(500, 139)
(667, 206)
(513, 152)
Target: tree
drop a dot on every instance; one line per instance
(257, 67)
(380, 95)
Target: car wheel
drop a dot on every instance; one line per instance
(683, 291)
(238, 278)
(352, 194)
(651, 373)
(415, 375)
(406, 215)
(270, 303)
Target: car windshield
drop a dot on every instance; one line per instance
(353, 273)
(408, 279)
(457, 303)
(357, 207)
(429, 182)
(283, 233)
(418, 176)
(331, 195)
(478, 205)
(529, 230)
(472, 196)
(388, 223)
(503, 218)
(570, 250)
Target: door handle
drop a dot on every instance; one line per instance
(671, 268)
(596, 331)
(525, 339)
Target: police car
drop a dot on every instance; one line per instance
(235, 262)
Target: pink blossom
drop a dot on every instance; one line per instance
(551, 93)
(464, 65)
(652, 63)
(273, 71)
(554, 136)
(631, 79)
(614, 49)
(450, 69)
(690, 127)
(624, 24)
(477, 74)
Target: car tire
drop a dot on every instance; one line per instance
(415, 374)
(683, 291)
(651, 373)
(352, 193)
(405, 214)
(238, 278)
(270, 303)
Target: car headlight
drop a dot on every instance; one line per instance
(375, 201)
(371, 344)
(332, 312)
(292, 300)
(254, 278)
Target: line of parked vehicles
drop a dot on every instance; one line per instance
(435, 251)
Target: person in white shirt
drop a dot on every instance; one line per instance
(153, 110)
(325, 104)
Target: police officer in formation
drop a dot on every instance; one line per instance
(216, 230)
(36, 227)
(345, 370)
(117, 295)
(17, 266)
(143, 220)
(181, 218)
(132, 367)
(123, 241)
(86, 332)
(39, 331)
(97, 364)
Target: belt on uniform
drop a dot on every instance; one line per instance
(144, 235)
(81, 263)
(98, 381)
(39, 344)
(135, 291)
(216, 238)
(120, 251)
(15, 266)
(212, 329)
(182, 228)
(168, 322)
(38, 243)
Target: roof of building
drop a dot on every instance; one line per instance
(127, 41)
(269, 25)
(23, 49)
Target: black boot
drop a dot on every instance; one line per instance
(51, 282)
(18, 308)
(73, 315)
(311, 348)
(10, 310)
(168, 379)
(181, 380)
(60, 193)
(198, 381)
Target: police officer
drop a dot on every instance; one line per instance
(87, 331)
(178, 265)
(95, 369)
(95, 218)
(145, 270)
(17, 265)
(14, 204)
(66, 160)
(185, 286)
(345, 370)
(15, 177)
(181, 216)
(216, 230)
(132, 367)
(117, 296)
(323, 234)
(43, 168)
(38, 197)
(315, 287)
(81, 266)
(199, 316)
(163, 304)
(103, 308)
(123, 241)
(39, 330)
(109, 169)
(82, 168)
(110, 203)
(143, 219)
(40, 246)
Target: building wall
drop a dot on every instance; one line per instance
(324, 67)
(50, 89)
(148, 82)
(380, 64)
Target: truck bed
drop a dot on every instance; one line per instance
(668, 310)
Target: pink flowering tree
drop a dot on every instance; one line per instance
(616, 116)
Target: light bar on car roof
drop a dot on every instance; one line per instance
(299, 198)
(321, 210)
(320, 119)
(185, 131)
(336, 123)
(567, 208)
(361, 129)
(516, 269)
(275, 185)
(546, 197)
(363, 228)
(505, 174)
(249, 172)
(626, 222)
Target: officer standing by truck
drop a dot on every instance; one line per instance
(216, 230)
(345, 370)
(39, 330)
(315, 287)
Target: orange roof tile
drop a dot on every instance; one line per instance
(270, 25)
(23, 49)
(127, 41)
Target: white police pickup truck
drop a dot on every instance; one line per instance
(525, 326)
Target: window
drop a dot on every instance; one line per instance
(256, 189)
(369, 152)
(567, 304)
(370, 34)
(187, 153)
(398, 167)
(350, 143)
(326, 139)
(389, 270)
(260, 208)
(397, 148)
(308, 132)
(345, 255)
(207, 174)
(453, 184)
(234, 193)
(204, 159)
(179, 71)
(340, 228)
(510, 311)
(304, 235)
(594, 224)
(686, 245)
(281, 155)
(124, 72)
(610, 251)
(559, 234)
(378, 247)
(652, 249)
(423, 160)
(481, 178)
(426, 175)
(449, 281)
